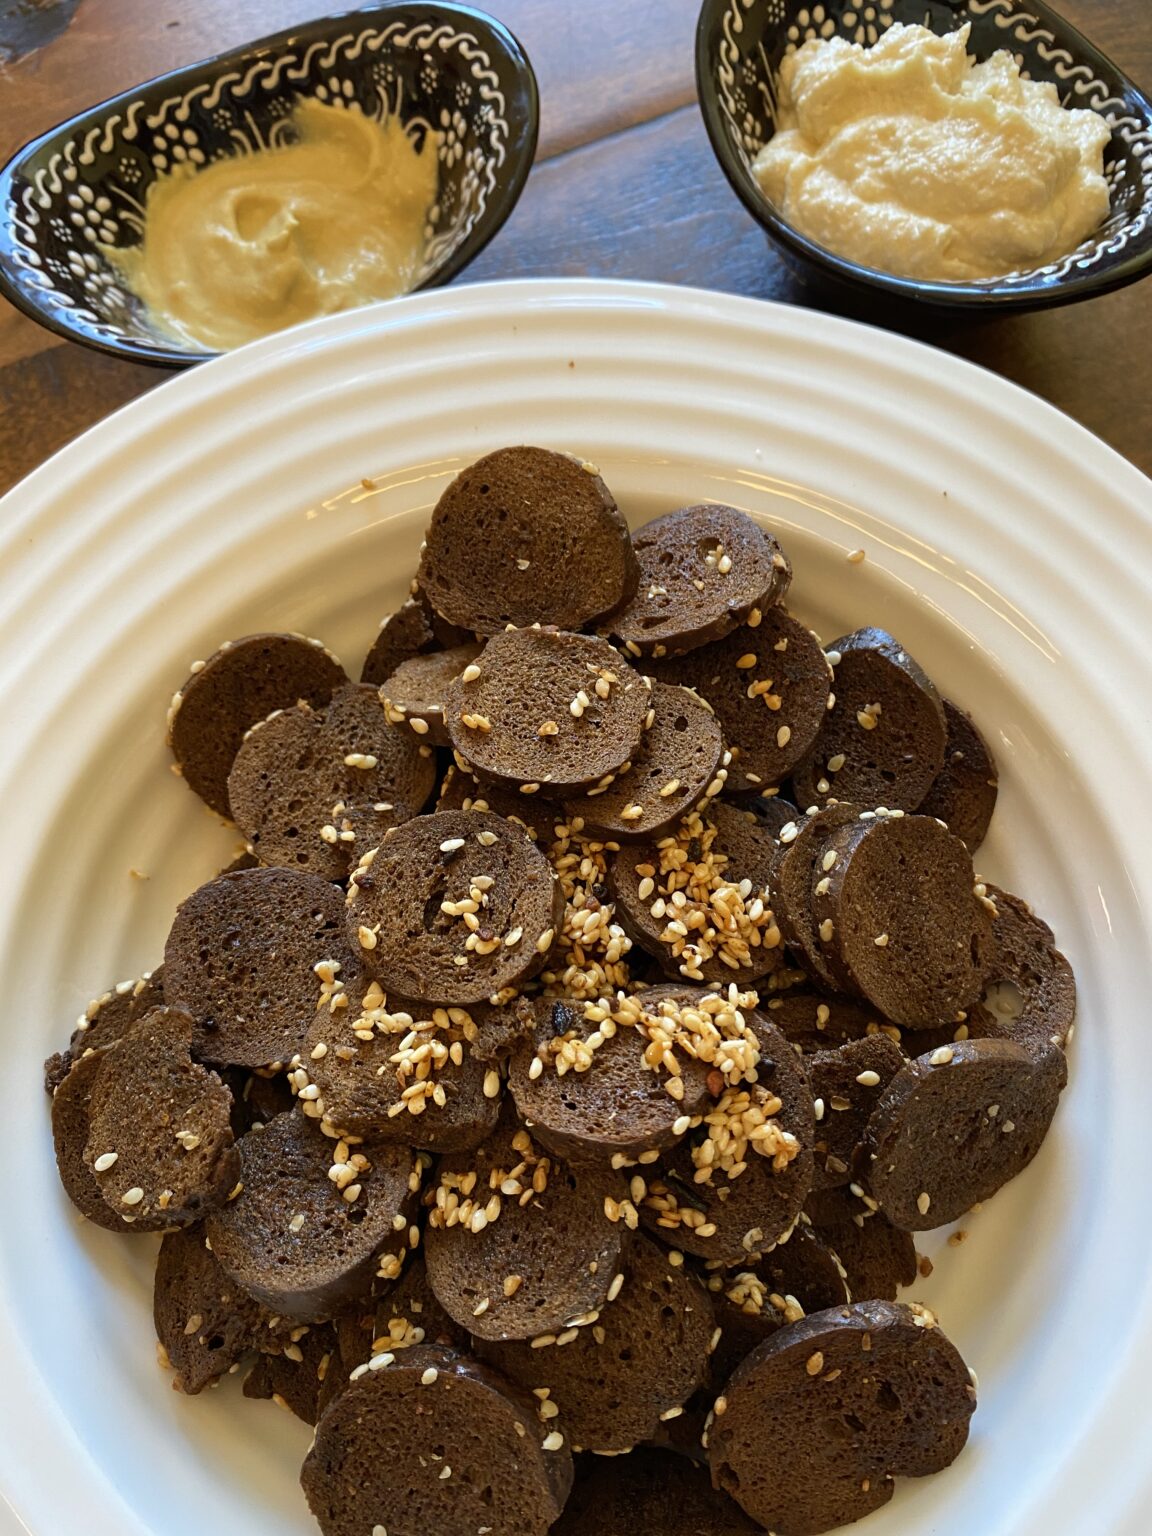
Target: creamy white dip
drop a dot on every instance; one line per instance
(912, 158)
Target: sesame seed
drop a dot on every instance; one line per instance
(829, 860)
(450, 844)
(632, 812)
(549, 728)
(783, 736)
(789, 832)
(720, 1407)
(646, 887)
(865, 721)
(485, 838)
(868, 1079)
(429, 1376)
(492, 1084)
(470, 673)
(544, 942)
(881, 941)
(529, 789)
(535, 1068)
(855, 556)
(419, 726)
(512, 1284)
(615, 1288)
(753, 619)
(367, 937)
(923, 1201)
(553, 1442)
(815, 1364)
(681, 1125)
(1008, 1127)
(133, 1196)
(105, 1161)
(818, 1105)
(445, 1472)
(724, 564)
(670, 788)
(826, 930)
(360, 760)
(481, 1306)
(476, 722)
(746, 661)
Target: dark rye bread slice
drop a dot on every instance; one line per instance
(749, 1213)
(877, 1258)
(241, 957)
(295, 1377)
(850, 1398)
(164, 1120)
(847, 1082)
(205, 1322)
(242, 682)
(540, 706)
(610, 1388)
(883, 741)
(801, 862)
(71, 1104)
(105, 1020)
(678, 763)
(898, 913)
(957, 1124)
(465, 1453)
(1030, 992)
(397, 901)
(413, 697)
(769, 687)
(459, 791)
(314, 789)
(526, 536)
(752, 1301)
(819, 1021)
(558, 1240)
(293, 1238)
(618, 1107)
(652, 1492)
(728, 845)
(415, 629)
(963, 794)
(348, 1056)
(704, 570)
(256, 1097)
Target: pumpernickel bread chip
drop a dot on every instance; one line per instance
(882, 743)
(465, 1451)
(542, 707)
(71, 1108)
(820, 1021)
(957, 1124)
(526, 536)
(205, 1322)
(877, 1259)
(652, 1492)
(296, 1237)
(242, 958)
(527, 1262)
(294, 1378)
(413, 696)
(801, 862)
(704, 570)
(963, 793)
(893, 1385)
(396, 1070)
(314, 789)
(159, 1130)
(847, 1082)
(105, 1020)
(454, 906)
(415, 629)
(642, 1358)
(698, 899)
(459, 791)
(680, 761)
(769, 686)
(242, 682)
(1030, 991)
(898, 912)
(605, 1101)
(731, 1188)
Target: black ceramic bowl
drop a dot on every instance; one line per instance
(741, 43)
(445, 69)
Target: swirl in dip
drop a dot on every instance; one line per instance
(256, 242)
(912, 158)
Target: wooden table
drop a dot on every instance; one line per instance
(625, 185)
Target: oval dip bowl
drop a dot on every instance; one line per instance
(741, 43)
(445, 70)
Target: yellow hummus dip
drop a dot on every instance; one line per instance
(912, 158)
(261, 241)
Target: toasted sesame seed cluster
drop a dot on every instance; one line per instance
(603, 998)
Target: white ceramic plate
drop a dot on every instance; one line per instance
(1009, 550)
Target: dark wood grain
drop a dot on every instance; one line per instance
(625, 186)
